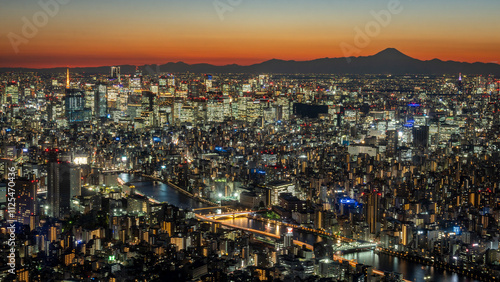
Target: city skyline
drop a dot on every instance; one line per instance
(241, 32)
(391, 178)
(250, 140)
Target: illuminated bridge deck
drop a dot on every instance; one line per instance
(353, 245)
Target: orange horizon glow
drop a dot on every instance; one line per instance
(95, 33)
(83, 61)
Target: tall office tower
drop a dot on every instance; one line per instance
(269, 115)
(183, 175)
(89, 100)
(11, 94)
(100, 101)
(215, 111)
(263, 79)
(148, 100)
(226, 101)
(288, 237)
(149, 109)
(50, 106)
(235, 110)
(254, 110)
(225, 89)
(27, 93)
(392, 143)
(26, 190)
(187, 114)
(113, 98)
(283, 108)
(177, 110)
(165, 108)
(420, 136)
(63, 183)
(496, 117)
(372, 212)
(195, 88)
(75, 106)
(122, 100)
(134, 104)
(242, 107)
(200, 112)
(115, 73)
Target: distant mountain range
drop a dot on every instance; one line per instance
(388, 61)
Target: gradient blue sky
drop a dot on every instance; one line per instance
(92, 32)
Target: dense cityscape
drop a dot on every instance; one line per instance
(155, 176)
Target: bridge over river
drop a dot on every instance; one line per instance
(382, 262)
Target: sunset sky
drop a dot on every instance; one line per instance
(112, 32)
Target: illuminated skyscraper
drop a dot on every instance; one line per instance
(165, 108)
(100, 101)
(421, 136)
(242, 107)
(392, 142)
(283, 108)
(75, 106)
(113, 99)
(254, 110)
(372, 212)
(135, 83)
(67, 78)
(11, 94)
(147, 101)
(63, 183)
(27, 205)
(215, 111)
(115, 73)
(288, 237)
(134, 104)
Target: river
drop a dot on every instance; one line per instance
(410, 270)
(161, 192)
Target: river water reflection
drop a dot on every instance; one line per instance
(410, 270)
